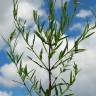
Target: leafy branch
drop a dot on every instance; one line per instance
(52, 38)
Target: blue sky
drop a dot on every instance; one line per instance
(85, 84)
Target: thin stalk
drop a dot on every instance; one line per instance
(49, 71)
(62, 58)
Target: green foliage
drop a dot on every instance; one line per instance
(52, 38)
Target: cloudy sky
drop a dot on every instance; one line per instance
(86, 81)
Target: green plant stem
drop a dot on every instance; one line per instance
(49, 94)
(56, 63)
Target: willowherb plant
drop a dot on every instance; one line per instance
(52, 38)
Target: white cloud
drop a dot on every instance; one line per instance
(76, 26)
(25, 12)
(5, 94)
(8, 68)
(37, 3)
(4, 7)
(6, 82)
(26, 8)
(8, 74)
(84, 13)
(6, 27)
(87, 64)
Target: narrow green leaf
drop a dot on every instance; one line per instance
(10, 56)
(36, 84)
(12, 35)
(58, 45)
(51, 54)
(42, 89)
(56, 90)
(61, 55)
(79, 50)
(33, 42)
(39, 35)
(27, 36)
(35, 15)
(20, 68)
(76, 46)
(41, 53)
(75, 69)
(19, 58)
(42, 26)
(89, 35)
(66, 47)
(71, 94)
(60, 88)
(71, 78)
(85, 30)
(33, 74)
(38, 24)
(25, 71)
